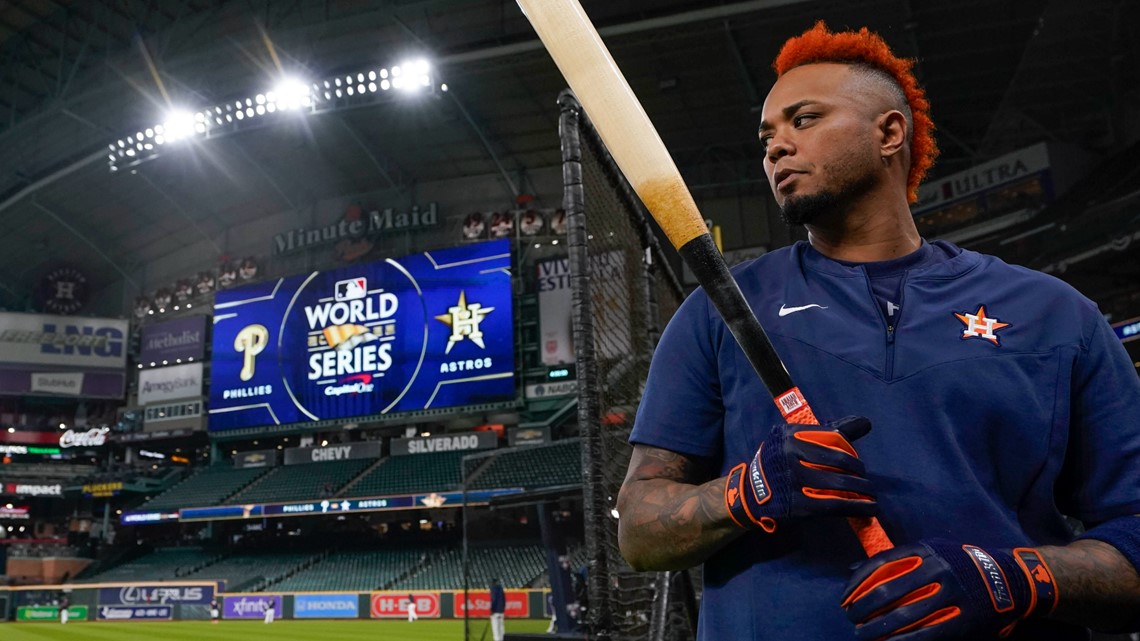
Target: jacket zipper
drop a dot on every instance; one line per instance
(890, 324)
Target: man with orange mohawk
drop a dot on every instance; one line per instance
(1001, 402)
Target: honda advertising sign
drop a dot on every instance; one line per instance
(394, 605)
(326, 606)
(250, 606)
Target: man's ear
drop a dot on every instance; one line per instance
(893, 130)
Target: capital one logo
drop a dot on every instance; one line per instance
(250, 342)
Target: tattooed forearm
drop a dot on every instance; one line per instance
(669, 519)
(1098, 587)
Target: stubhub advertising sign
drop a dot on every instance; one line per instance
(426, 331)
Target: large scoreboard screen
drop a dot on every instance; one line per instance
(426, 331)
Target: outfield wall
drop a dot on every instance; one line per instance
(172, 601)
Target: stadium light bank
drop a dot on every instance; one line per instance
(290, 97)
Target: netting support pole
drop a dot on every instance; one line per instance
(599, 615)
(659, 617)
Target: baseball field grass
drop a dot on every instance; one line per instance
(355, 630)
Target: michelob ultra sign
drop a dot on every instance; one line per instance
(426, 331)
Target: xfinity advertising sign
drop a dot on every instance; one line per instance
(427, 331)
(250, 606)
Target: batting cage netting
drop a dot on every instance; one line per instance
(623, 294)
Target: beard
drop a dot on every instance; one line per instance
(802, 210)
(830, 204)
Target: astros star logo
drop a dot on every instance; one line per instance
(464, 319)
(978, 325)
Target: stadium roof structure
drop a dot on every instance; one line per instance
(79, 74)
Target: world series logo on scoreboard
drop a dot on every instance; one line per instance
(426, 331)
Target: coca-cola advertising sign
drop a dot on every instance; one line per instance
(95, 437)
(394, 605)
(479, 603)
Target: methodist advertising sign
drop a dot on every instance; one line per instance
(326, 606)
(426, 331)
(165, 594)
(183, 338)
(164, 384)
(250, 606)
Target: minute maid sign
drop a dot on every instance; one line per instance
(363, 225)
(427, 331)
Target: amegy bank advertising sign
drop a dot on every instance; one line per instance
(163, 384)
(426, 331)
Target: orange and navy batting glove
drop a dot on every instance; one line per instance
(802, 470)
(936, 589)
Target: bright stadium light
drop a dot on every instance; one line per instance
(292, 94)
(178, 125)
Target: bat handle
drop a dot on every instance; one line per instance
(870, 532)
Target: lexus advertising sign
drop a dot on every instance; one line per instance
(426, 331)
(165, 594)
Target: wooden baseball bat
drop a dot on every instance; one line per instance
(617, 114)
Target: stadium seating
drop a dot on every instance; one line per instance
(302, 482)
(163, 564)
(352, 570)
(248, 572)
(516, 566)
(208, 487)
(411, 474)
(531, 467)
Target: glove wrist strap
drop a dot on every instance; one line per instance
(1042, 585)
(739, 498)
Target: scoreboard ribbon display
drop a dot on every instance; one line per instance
(426, 331)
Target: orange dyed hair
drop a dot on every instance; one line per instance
(865, 48)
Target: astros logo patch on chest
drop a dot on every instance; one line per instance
(979, 325)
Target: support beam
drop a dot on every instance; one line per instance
(181, 210)
(486, 144)
(83, 237)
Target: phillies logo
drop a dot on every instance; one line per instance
(978, 325)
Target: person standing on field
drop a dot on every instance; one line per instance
(498, 610)
(412, 616)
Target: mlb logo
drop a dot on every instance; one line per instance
(351, 289)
